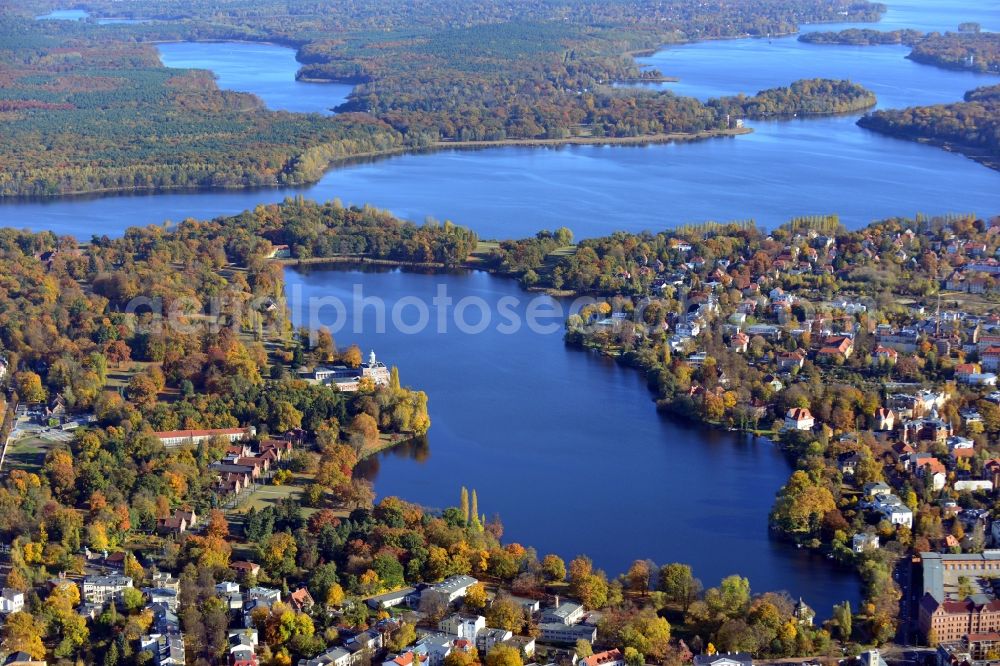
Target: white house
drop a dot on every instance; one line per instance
(799, 418)
(864, 541)
(564, 613)
(463, 626)
(973, 485)
(336, 656)
(955, 442)
(490, 638)
(726, 659)
(450, 589)
(101, 589)
(11, 601)
(894, 510)
(436, 647)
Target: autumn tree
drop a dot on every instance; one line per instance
(554, 568)
(638, 577)
(504, 655)
(475, 596)
(29, 387)
(363, 431)
(505, 613)
(23, 633)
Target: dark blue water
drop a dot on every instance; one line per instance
(262, 69)
(565, 445)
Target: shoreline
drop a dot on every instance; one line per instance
(650, 139)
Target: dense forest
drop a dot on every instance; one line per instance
(312, 230)
(807, 97)
(971, 127)
(426, 73)
(80, 115)
(979, 52)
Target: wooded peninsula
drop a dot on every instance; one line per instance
(425, 76)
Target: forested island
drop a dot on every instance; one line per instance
(862, 37)
(454, 73)
(968, 49)
(807, 97)
(971, 127)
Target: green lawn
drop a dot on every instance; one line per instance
(28, 453)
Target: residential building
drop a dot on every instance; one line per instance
(244, 568)
(848, 462)
(173, 438)
(864, 542)
(336, 656)
(181, 521)
(894, 510)
(101, 589)
(450, 589)
(885, 419)
(566, 612)
(990, 358)
(799, 418)
(489, 638)
(789, 361)
(23, 659)
(300, 599)
(973, 485)
(557, 632)
(607, 658)
(11, 601)
(803, 613)
(390, 599)
(167, 649)
(463, 626)
(724, 659)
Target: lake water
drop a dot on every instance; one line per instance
(261, 69)
(565, 445)
(81, 14)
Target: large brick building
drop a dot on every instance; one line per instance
(954, 620)
(942, 610)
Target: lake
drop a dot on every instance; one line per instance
(782, 170)
(565, 445)
(82, 14)
(262, 69)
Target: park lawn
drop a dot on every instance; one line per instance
(270, 495)
(28, 453)
(118, 378)
(482, 252)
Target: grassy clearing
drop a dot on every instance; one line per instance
(28, 453)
